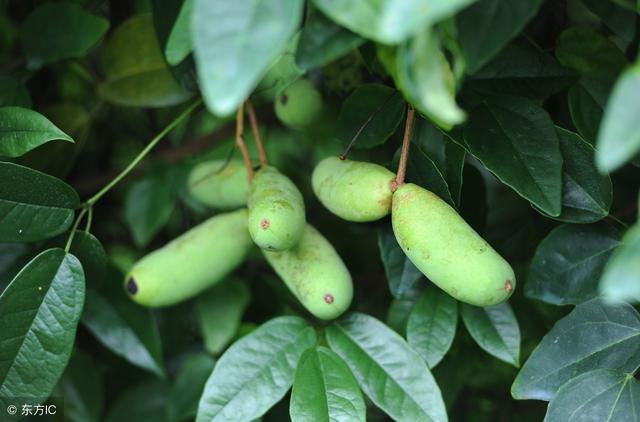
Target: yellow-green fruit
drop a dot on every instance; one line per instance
(192, 262)
(299, 104)
(315, 274)
(276, 211)
(447, 250)
(219, 184)
(353, 190)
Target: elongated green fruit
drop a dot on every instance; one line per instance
(298, 105)
(192, 262)
(353, 190)
(447, 250)
(315, 274)
(276, 211)
(219, 184)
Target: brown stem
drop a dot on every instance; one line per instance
(242, 146)
(256, 135)
(406, 143)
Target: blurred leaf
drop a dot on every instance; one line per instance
(39, 313)
(621, 278)
(389, 371)
(13, 93)
(377, 108)
(568, 263)
(146, 401)
(473, 202)
(256, 371)
(12, 259)
(495, 329)
(33, 205)
(188, 385)
(597, 395)
(325, 389)
(488, 25)
(593, 335)
(432, 325)
(179, 43)
(620, 21)
(23, 130)
(588, 51)
(515, 139)
(587, 100)
(389, 21)
(83, 390)
(280, 73)
(232, 54)
(322, 41)
(56, 31)
(220, 310)
(403, 276)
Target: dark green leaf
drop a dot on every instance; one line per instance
(179, 42)
(488, 25)
(390, 372)
(146, 401)
(398, 314)
(587, 100)
(621, 278)
(83, 390)
(495, 329)
(569, 261)
(188, 385)
(13, 256)
(597, 395)
(56, 31)
(88, 249)
(403, 276)
(39, 313)
(256, 371)
(432, 325)
(13, 93)
(322, 41)
(33, 205)
(325, 389)
(516, 140)
(232, 55)
(620, 21)
(588, 51)
(23, 130)
(593, 335)
(377, 108)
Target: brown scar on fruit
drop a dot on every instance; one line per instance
(328, 298)
(132, 287)
(508, 286)
(265, 224)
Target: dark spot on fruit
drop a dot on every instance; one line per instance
(508, 286)
(264, 224)
(284, 99)
(328, 298)
(132, 287)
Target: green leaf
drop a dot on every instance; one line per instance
(593, 335)
(495, 329)
(179, 42)
(57, 31)
(146, 401)
(188, 385)
(402, 275)
(588, 51)
(325, 389)
(432, 325)
(619, 137)
(568, 263)
(617, 19)
(322, 41)
(23, 130)
(389, 21)
(515, 139)
(33, 205)
(234, 52)
(134, 68)
(377, 108)
(597, 395)
(389, 371)
(256, 371)
(39, 313)
(398, 314)
(621, 278)
(587, 100)
(13, 93)
(83, 390)
(128, 330)
(488, 25)
(220, 310)
(90, 252)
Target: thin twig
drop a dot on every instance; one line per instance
(242, 146)
(406, 143)
(256, 135)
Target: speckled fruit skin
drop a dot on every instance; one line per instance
(447, 250)
(315, 274)
(276, 211)
(299, 104)
(192, 262)
(353, 190)
(219, 184)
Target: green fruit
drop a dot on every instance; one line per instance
(299, 104)
(276, 211)
(219, 184)
(353, 190)
(447, 250)
(192, 262)
(315, 274)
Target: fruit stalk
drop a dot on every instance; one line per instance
(242, 146)
(256, 135)
(406, 143)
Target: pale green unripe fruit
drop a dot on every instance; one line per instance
(192, 262)
(299, 104)
(219, 184)
(447, 250)
(276, 211)
(353, 190)
(315, 274)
